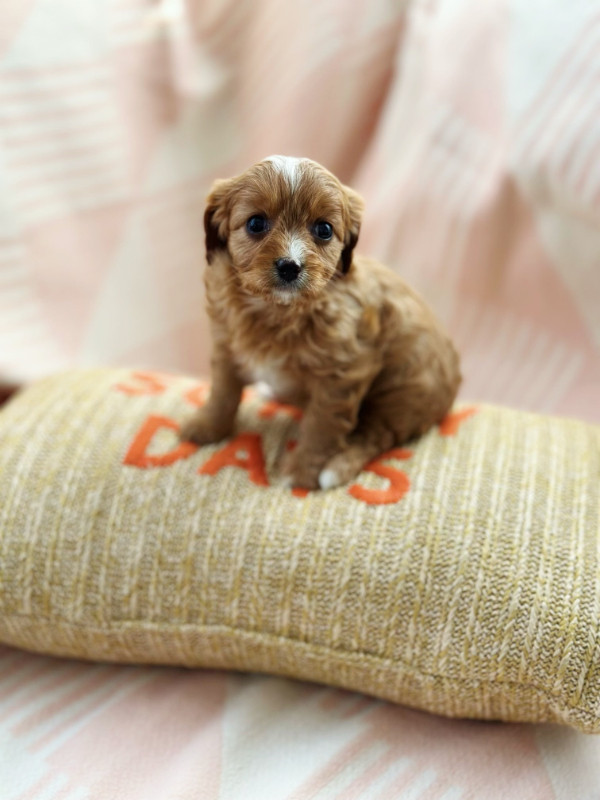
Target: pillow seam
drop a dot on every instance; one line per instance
(325, 650)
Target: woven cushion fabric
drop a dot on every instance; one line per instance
(459, 574)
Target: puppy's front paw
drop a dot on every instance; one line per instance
(301, 472)
(205, 428)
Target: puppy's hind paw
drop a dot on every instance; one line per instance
(329, 479)
(338, 471)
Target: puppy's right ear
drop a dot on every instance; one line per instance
(216, 216)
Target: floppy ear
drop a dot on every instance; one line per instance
(353, 217)
(216, 216)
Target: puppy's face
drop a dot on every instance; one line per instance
(288, 226)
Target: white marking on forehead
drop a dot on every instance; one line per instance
(289, 166)
(296, 249)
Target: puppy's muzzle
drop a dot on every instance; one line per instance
(287, 270)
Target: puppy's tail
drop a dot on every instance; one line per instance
(362, 446)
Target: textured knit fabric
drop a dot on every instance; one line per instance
(459, 574)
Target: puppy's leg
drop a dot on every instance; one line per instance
(330, 416)
(391, 416)
(368, 441)
(214, 421)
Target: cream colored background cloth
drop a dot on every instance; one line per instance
(473, 135)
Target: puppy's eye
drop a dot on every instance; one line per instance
(322, 230)
(257, 224)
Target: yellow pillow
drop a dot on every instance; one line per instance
(459, 574)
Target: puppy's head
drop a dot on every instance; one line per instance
(288, 226)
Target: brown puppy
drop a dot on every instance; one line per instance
(339, 334)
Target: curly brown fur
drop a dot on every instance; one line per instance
(347, 338)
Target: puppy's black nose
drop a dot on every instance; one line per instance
(287, 269)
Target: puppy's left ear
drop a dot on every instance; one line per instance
(353, 217)
(216, 216)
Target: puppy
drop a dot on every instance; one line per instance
(336, 333)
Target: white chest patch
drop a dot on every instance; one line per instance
(270, 374)
(289, 166)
